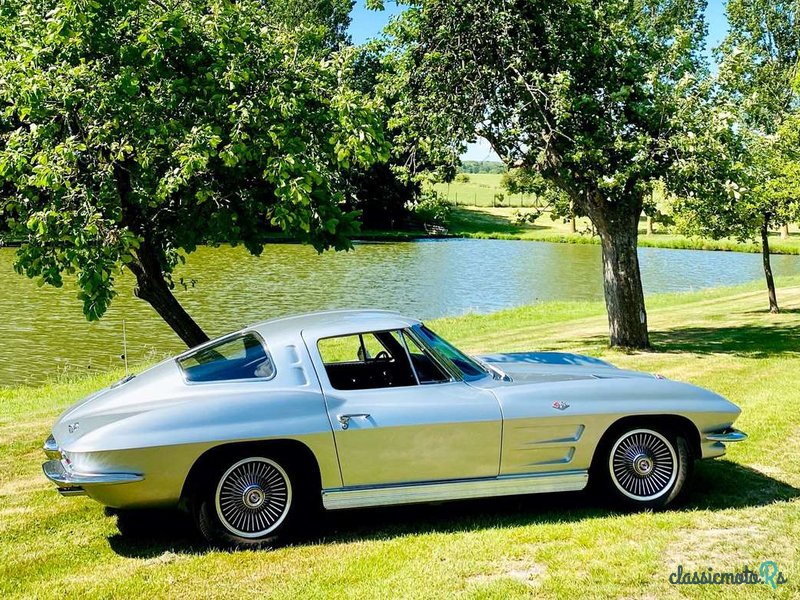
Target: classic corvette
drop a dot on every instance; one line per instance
(342, 409)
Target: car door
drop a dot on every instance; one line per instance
(394, 423)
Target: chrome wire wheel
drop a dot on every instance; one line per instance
(643, 464)
(253, 497)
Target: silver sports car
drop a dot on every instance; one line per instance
(253, 431)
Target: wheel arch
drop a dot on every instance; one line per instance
(676, 423)
(293, 451)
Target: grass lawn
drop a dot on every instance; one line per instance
(480, 190)
(475, 216)
(741, 510)
(498, 223)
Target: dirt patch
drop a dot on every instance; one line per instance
(772, 471)
(22, 487)
(526, 571)
(166, 558)
(706, 545)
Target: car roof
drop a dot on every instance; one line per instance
(334, 322)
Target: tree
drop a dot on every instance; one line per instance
(589, 95)
(382, 193)
(333, 15)
(382, 197)
(527, 181)
(752, 185)
(758, 67)
(760, 61)
(133, 130)
(482, 166)
(725, 168)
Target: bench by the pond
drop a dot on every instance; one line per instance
(435, 229)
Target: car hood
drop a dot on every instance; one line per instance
(545, 367)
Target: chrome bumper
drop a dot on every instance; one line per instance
(729, 435)
(71, 483)
(51, 449)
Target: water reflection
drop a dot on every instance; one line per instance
(43, 330)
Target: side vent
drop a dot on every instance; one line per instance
(298, 371)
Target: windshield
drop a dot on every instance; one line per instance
(470, 368)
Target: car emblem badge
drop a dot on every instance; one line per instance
(558, 405)
(73, 427)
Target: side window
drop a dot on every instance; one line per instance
(366, 361)
(373, 348)
(427, 369)
(345, 349)
(241, 357)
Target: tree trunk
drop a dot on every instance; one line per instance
(650, 225)
(573, 225)
(618, 227)
(153, 288)
(147, 267)
(785, 231)
(773, 297)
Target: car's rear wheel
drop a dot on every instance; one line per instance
(251, 501)
(644, 467)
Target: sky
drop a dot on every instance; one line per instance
(368, 24)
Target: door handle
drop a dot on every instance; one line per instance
(344, 420)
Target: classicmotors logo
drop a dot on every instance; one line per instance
(767, 573)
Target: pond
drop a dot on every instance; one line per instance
(43, 331)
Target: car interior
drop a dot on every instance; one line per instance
(377, 360)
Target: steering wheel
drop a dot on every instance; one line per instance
(382, 355)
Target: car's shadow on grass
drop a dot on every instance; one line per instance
(715, 485)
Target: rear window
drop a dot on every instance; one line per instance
(242, 357)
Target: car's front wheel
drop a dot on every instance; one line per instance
(251, 501)
(645, 467)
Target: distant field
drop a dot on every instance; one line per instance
(480, 190)
(483, 216)
(484, 221)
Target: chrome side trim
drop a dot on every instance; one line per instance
(51, 448)
(55, 471)
(565, 481)
(729, 435)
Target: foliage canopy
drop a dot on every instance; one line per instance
(589, 96)
(755, 106)
(133, 130)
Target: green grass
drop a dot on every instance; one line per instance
(480, 190)
(477, 216)
(742, 509)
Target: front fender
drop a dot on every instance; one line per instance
(558, 425)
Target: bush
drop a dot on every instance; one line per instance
(462, 178)
(432, 208)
